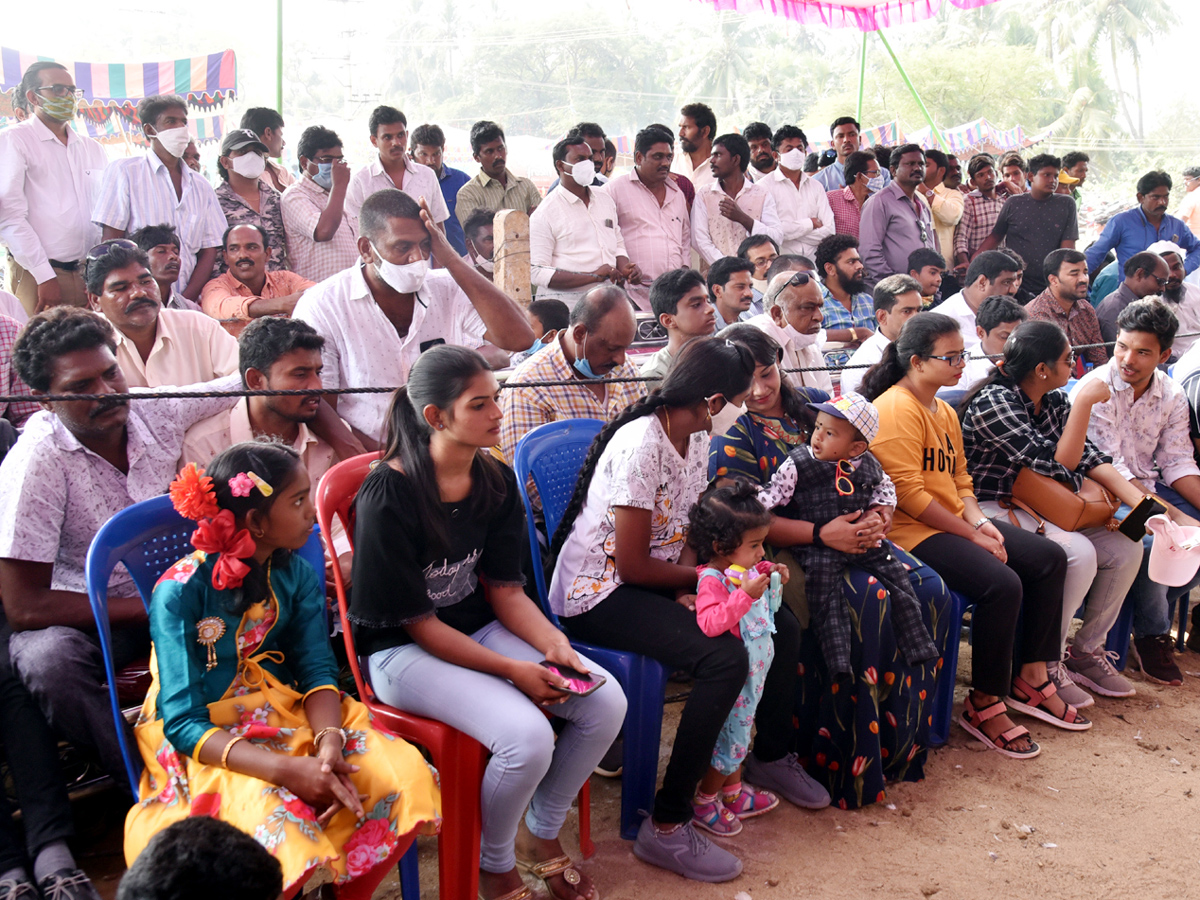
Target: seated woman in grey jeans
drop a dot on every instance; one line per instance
(436, 520)
(1018, 418)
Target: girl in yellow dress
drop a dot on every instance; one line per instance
(244, 721)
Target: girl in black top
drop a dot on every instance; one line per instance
(439, 608)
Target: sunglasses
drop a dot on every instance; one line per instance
(102, 250)
(841, 479)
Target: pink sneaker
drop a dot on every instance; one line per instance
(750, 802)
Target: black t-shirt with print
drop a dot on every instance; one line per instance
(399, 580)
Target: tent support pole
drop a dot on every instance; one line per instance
(279, 55)
(912, 90)
(862, 75)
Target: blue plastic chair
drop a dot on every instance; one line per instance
(149, 537)
(553, 454)
(943, 707)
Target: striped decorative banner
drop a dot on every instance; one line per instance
(888, 135)
(202, 80)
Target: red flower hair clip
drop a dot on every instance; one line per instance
(193, 497)
(192, 494)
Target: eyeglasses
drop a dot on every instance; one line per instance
(1162, 282)
(1071, 359)
(954, 359)
(841, 480)
(61, 90)
(102, 250)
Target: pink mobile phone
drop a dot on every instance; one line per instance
(577, 682)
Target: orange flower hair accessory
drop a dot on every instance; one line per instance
(192, 494)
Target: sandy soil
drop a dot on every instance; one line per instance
(1108, 814)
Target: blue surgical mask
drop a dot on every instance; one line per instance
(875, 185)
(535, 347)
(582, 365)
(324, 176)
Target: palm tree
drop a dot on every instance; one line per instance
(1117, 26)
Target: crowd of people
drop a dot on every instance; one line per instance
(865, 354)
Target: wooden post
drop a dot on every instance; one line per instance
(510, 231)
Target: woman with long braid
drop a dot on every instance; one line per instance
(623, 564)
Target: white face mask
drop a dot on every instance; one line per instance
(799, 340)
(406, 279)
(487, 265)
(249, 165)
(760, 286)
(793, 159)
(174, 140)
(723, 421)
(583, 172)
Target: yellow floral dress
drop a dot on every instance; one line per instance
(266, 662)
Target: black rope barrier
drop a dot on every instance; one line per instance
(505, 385)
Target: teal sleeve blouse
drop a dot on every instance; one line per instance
(184, 596)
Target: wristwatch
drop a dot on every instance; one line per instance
(983, 521)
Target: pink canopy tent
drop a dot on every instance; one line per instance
(865, 15)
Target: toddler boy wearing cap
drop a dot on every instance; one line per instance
(836, 474)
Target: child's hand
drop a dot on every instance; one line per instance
(757, 585)
(784, 574)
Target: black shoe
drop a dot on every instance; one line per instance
(67, 884)
(1158, 659)
(1193, 640)
(610, 766)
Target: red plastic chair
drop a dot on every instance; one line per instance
(459, 758)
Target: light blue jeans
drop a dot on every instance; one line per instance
(527, 767)
(1154, 602)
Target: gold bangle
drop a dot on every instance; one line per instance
(225, 752)
(332, 729)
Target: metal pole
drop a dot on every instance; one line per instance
(912, 90)
(279, 56)
(862, 75)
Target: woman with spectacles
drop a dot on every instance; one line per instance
(1008, 574)
(1019, 418)
(875, 729)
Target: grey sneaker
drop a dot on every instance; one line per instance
(1095, 670)
(686, 852)
(1068, 689)
(67, 884)
(18, 889)
(787, 778)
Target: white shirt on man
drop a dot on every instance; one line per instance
(797, 206)
(565, 233)
(47, 191)
(955, 306)
(798, 356)
(419, 181)
(766, 223)
(868, 353)
(138, 191)
(363, 348)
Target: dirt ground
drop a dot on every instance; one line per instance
(1107, 814)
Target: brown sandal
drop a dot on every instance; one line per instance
(972, 722)
(560, 865)
(1071, 719)
(521, 893)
